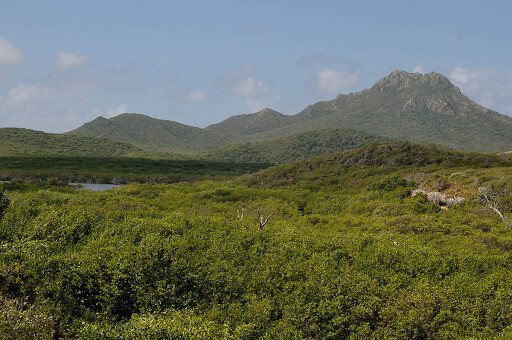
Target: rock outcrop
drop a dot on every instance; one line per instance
(439, 198)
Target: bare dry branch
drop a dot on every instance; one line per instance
(263, 221)
(240, 216)
(491, 200)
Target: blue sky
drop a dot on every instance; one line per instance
(63, 63)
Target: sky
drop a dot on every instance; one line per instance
(64, 63)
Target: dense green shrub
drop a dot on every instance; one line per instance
(354, 257)
(4, 203)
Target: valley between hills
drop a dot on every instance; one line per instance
(381, 214)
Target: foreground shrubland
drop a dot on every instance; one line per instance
(346, 253)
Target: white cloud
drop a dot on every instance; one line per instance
(418, 69)
(332, 81)
(53, 103)
(10, 55)
(29, 95)
(197, 96)
(463, 75)
(487, 87)
(65, 60)
(242, 83)
(38, 107)
(109, 113)
(122, 108)
(251, 88)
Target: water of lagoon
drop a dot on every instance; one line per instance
(96, 186)
(90, 186)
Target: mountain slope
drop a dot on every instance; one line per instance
(380, 159)
(152, 134)
(15, 142)
(289, 148)
(416, 107)
(247, 124)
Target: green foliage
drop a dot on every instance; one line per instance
(154, 135)
(20, 320)
(390, 183)
(347, 253)
(15, 142)
(116, 170)
(289, 148)
(4, 203)
(376, 159)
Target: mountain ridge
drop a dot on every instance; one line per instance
(151, 134)
(245, 123)
(425, 108)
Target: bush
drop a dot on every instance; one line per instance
(390, 183)
(4, 203)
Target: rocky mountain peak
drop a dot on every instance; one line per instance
(404, 79)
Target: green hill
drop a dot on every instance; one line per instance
(248, 124)
(289, 148)
(14, 142)
(377, 159)
(152, 134)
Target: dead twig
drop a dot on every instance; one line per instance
(491, 200)
(263, 221)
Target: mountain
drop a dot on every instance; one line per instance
(248, 124)
(417, 107)
(289, 148)
(15, 142)
(152, 134)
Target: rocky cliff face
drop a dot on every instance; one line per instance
(402, 80)
(436, 105)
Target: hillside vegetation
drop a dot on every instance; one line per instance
(289, 148)
(376, 158)
(14, 141)
(117, 170)
(152, 134)
(346, 252)
(249, 124)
